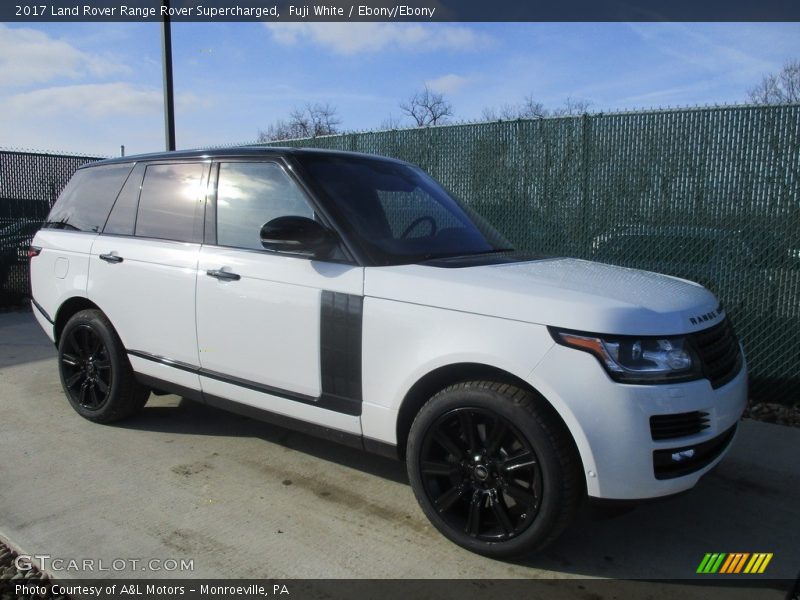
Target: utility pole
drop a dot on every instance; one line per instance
(166, 63)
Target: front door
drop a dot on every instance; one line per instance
(277, 332)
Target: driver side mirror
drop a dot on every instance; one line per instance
(297, 235)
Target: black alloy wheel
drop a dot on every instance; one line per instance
(86, 367)
(494, 468)
(481, 474)
(95, 371)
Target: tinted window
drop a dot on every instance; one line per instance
(171, 194)
(413, 214)
(251, 194)
(87, 199)
(398, 213)
(122, 219)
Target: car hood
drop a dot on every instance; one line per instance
(563, 292)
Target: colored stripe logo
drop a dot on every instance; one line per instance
(734, 563)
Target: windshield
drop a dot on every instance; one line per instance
(398, 213)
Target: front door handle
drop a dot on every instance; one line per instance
(111, 258)
(226, 275)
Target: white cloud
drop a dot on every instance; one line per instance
(28, 56)
(706, 47)
(352, 38)
(96, 100)
(448, 84)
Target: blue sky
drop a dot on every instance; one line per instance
(89, 87)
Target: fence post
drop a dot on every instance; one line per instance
(586, 212)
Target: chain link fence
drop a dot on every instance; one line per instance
(711, 195)
(29, 185)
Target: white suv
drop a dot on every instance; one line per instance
(350, 296)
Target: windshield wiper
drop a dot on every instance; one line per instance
(431, 257)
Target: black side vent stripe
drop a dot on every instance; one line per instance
(340, 345)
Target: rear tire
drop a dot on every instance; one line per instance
(493, 468)
(95, 372)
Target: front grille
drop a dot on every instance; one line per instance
(719, 353)
(666, 427)
(666, 466)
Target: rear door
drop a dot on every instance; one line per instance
(61, 269)
(277, 332)
(143, 268)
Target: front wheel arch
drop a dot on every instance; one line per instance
(439, 379)
(504, 428)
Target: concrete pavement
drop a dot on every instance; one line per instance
(245, 499)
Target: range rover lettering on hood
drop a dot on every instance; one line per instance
(709, 316)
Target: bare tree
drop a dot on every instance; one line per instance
(507, 112)
(533, 109)
(310, 121)
(530, 108)
(279, 130)
(527, 109)
(324, 119)
(778, 88)
(572, 107)
(427, 108)
(390, 122)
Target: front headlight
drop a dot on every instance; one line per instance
(632, 359)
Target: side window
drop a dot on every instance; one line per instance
(122, 219)
(87, 199)
(249, 195)
(171, 195)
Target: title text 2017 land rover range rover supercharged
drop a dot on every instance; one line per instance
(351, 296)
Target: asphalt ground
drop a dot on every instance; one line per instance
(240, 498)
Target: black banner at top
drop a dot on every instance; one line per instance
(399, 10)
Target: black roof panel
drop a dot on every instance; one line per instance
(238, 152)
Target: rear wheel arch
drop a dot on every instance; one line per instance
(94, 369)
(66, 311)
(439, 379)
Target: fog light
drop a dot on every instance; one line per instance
(682, 455)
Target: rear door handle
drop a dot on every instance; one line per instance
(226, 275)
(111, 258)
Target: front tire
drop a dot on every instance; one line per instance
(95, 372)
(493, 468)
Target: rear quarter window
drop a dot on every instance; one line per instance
(87, 199)
(122, 219)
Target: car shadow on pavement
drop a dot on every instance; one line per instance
(190, 417)
(738, 507)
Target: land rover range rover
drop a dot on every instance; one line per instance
(351, 296)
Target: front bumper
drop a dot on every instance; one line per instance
(611, 425)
